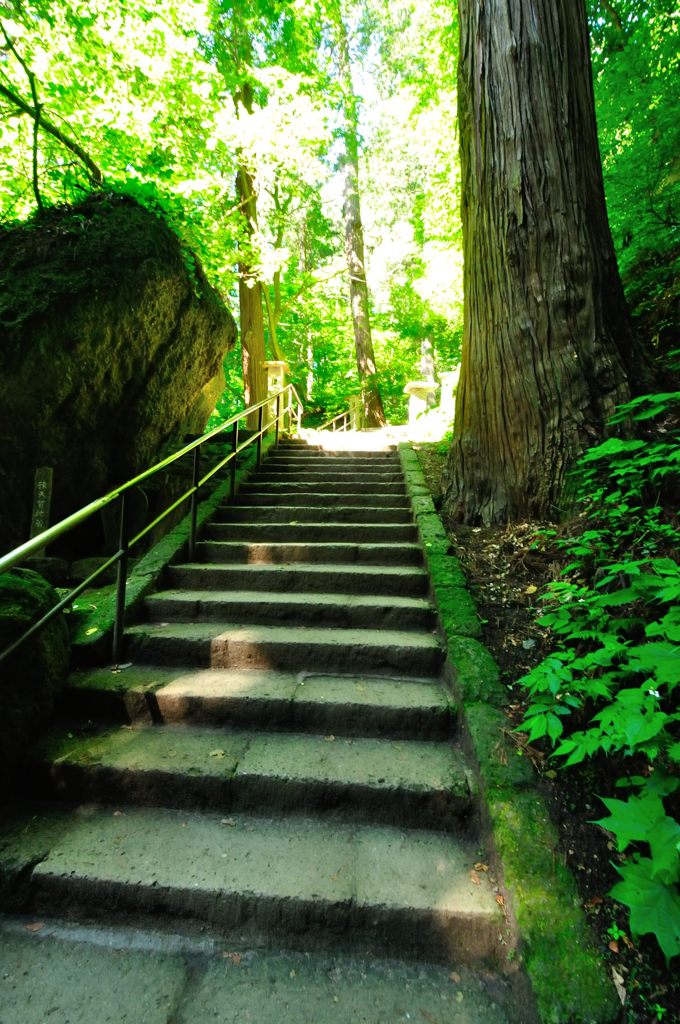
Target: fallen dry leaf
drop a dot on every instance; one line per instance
(329, 739)
(35, 927)
(613, 945)
(234, 957)
(481, 867)
(454, 976)
(216, 753)
(474, 877)
(618, 985)
(500, 900)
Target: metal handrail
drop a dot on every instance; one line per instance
(41, 540)
(346, 418)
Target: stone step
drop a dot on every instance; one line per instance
(233, 646)
(286, 532)
(331, 703)
(409, 783)
(301, 881)
(324, 552)
(332, 462)
(330, 487)
(276, 608)
(324, 513)
(404, 580)
(266, 497)
(375, 478)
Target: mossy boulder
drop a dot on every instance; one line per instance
(32, 677)
(112, 343)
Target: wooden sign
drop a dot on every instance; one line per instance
(42, 497)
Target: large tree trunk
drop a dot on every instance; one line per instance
(250, 303)
(374, 415)
(548, 349)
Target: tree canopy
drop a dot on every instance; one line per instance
(147, 99)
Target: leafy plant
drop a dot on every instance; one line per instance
(609, 688)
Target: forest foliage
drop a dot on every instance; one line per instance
(145, 93)
(140, 97)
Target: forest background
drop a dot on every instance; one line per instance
(234, 120)
(150, 101)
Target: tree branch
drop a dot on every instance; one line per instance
(95, 173)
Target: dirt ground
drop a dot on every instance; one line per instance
(506, 569)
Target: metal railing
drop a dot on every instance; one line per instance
(342, 421)
(288, 407)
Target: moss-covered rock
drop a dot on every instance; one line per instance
(32, 677)
(500, 763)
(475, 672)
(568, 978)
(112, 340)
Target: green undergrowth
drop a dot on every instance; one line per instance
(609, 687)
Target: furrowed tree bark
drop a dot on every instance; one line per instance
(548, 350)
(374, 415)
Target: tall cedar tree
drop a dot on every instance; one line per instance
(548, 349)
(354, 232)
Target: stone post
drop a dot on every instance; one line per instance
(276, 381)
(420, 397)
(447, 402)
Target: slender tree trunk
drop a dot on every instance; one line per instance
(251, 320)
(354, 240)
(250, 303)
(548, 350)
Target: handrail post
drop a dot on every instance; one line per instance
(278, 414)
(194, 504)
(121, 582)
(259, 436)
(232, 485)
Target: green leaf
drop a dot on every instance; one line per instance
(633, 819)
(659, 659)
(654, 907)
(664, 843)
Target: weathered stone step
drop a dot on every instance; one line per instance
(233, 646)
(321, 552)
(332, 454)
(406, 580)
(286, 532)
(409, 783)
(403, 707)
(324, 513)
(335, 491)
(275, 608)
(264, 497)
(375, 479)
(300, 881)
(334, 459)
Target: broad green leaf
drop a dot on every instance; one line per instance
(633, 819)
(654, 907)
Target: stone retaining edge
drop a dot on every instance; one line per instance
(91, 640)
(568, 977)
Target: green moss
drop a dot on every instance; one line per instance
(33, 675)
(567, 975)
(71, 251)
(499, 762)
(476, 673)
(457, 612)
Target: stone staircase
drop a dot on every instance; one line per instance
(278, 758)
